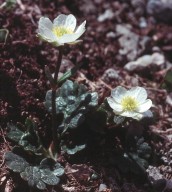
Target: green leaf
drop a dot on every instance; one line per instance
(74, 150)
(118, 119)
(41, 185)
(8, 4)
(50, 164)
(58, 171)
(14, 134)
(143, 164)
(32, 175)
(3, 35)
(49, 178)
(136, 159)
(37, 177)
(28, 139)
(74, 102)
(48, 172)
(68, 74)
(140, 153)
(15, 162)
(143, 149)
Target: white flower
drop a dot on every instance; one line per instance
(62, 30)
(129, 103)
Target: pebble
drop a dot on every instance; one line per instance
(142, 22)
(102, 187)
(131, 44)
(160, 9)
(146, 60)
(108, 14)
(110, 74)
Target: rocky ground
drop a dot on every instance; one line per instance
(127, 43)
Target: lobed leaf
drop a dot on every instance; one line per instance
(143, 149)
(54, 167)
(28, 139)
(15, 162)
(14, 134)
(73, 101)
(74, 150)
(48, 172)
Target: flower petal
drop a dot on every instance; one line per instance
(81, 28)
(148, 114)
(69, 38)
(138, 116)
(68, 21)
(132, 114)
(117, 108)
(71, 22)
(47, 34)
(118, 93)
(75, 42)
(139, 93)
(60, 20)
(45, 22)
(144, 106)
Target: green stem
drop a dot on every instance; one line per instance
(54, 88)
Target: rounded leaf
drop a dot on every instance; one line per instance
(49, 178)
(15, 162)
(31, 174)
(41, 185)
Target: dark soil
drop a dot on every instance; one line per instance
(23, 83)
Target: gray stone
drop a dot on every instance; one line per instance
(110, 74)
(160, 9)
(111, 35)
(155, 177)
(108, 14)
(145, 61)
(131, 44)
(102, 187)
(142, 22)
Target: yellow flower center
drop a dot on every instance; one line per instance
(60, 31)
(129, 103)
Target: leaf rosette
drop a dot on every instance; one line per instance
(28, 138)
(73, 101)
(47, 173)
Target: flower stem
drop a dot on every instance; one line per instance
(53, 99)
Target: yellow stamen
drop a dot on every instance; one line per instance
(129, 103)
(60, 31)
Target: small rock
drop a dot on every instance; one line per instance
(131, 44)
(142, 22)
(165, 160)
(110, 74)
(111, 35)
(160, 9)
(156, 178)
(144, 61)
(102, 187)
(139, 6)
(108, 14)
